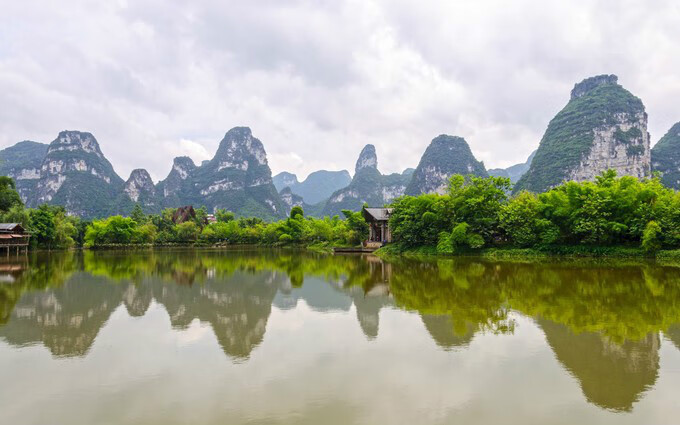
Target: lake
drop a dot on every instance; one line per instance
(282, 337)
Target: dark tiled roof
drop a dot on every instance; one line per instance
(378, 214)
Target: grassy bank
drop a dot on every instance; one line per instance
(321, 247)
(579, 251)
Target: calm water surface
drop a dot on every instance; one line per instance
(279, 337)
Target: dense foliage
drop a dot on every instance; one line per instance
(161, 229)
(476, 212)
(50, 226)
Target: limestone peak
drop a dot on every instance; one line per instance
(367, 159)
(589, 84)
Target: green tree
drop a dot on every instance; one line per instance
(8, 194)
(297, 212)
(356, 226)
(64, 229)
(224, 216)
(651, 237)
(419, 220)
(17, 214)
(145, 234)
(477, 201)
(201, 217)
(113, 230)
(42, 226)
(522, 220)
(188, 231)
(138, 215)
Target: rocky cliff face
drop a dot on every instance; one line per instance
(22, 162)
(367, 187)
(394, 185)
(666, 157)
(444, 157)
(76, 175)
(602, 127)
(238, 179)
(140, 189)
(290, 200)
(172, 189)
(72, 171)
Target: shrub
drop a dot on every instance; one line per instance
(187, 231)
(651, 237)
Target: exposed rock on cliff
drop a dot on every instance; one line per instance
(22, 162)
(602, 127)
(444, 157)
(76, 175)
(290, 200)
(367, 187)
(139, 188)
(238, 179)
(173, 188)
(666, 157)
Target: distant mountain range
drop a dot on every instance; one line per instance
(514, 172)
(317, 187)
(368, 186)
(72, 171)
(603, 126)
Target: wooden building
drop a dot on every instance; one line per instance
(378, 226)
(13, 238)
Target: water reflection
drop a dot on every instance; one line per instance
(602, 321)
(612, 375)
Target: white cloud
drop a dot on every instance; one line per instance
(153, 79)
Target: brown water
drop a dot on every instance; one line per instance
(279, 337)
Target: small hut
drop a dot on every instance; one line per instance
(13, 237)
(378, 226)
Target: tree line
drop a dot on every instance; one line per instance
(52, 228)
(474, 213)
(477, 212)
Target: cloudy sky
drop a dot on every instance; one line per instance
(316, 80)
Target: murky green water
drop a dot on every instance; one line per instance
(278, 337)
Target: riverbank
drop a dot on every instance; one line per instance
(321, 247)
(556, 252)
(396, 250)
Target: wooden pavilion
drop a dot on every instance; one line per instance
(378, 226)
(13, 237)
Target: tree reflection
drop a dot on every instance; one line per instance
(603, 321)
(612, 375)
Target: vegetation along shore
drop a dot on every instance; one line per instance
(610, 216)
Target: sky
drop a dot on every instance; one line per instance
(316, 80)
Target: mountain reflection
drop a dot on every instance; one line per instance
(602, 321)
(611, 375)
